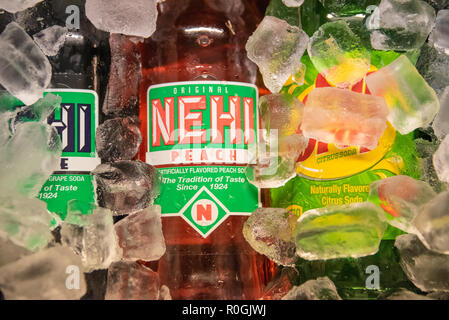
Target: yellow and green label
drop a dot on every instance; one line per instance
(199, 135)
(337, 175)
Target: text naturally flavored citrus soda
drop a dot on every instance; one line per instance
(199, 114)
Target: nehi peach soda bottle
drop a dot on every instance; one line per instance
(198, 108)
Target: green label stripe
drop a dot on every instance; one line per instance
(199, 133)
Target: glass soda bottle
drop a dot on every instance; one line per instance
(198, 112)
(79, 77)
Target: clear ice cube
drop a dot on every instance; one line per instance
(338, 54)
(92, 236)
(432, 223)
(51, 40)
(136, 18)
(126, 186)
(276, 47)
(51, 274)
(26, 71)
(14, 6)
(400, 24)
(401, 197)
(349, 118)
(10, 252)
(441, 160)
(426, 269)
(28, 158)
(441, 122)
(293, 3)
(25, 222)
(320, 289)
(412, 102)
(279, 144)
(432, 65)
(133, 281)
(269, 231)
(140, 235)
(118, 139)
(332, 232)
(122, 97)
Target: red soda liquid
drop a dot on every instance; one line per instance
(204, 40)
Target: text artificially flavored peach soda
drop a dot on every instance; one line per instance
(198, 111)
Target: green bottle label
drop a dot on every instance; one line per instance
(199, 135)
(76, 120)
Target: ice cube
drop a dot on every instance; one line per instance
(14, 6)
(403, 294)
(432, 223)
(439, 295)
(320, 289)
(51, 40)
(277, 8)
(412, 102)
(91, 236)
(51, 274)
(353, 230)
(116, 16)
(441, 122)
(133, 281)
(273, 171)
(432, 65)
(338, 54)
(282, 113)
(357, 25)
(401, 196)
(126, 186)
(39, 111)
(441, 160)
(349, 118)
(164, 293)
(440, 34)
(140, 235)
(26, 222)
(269, 231)
(299, 75)
(10, 252)
(427, 171)
(6, 117)
(276, 47)
(26, 71)
(280, 284)
(426, 269)
(347, 7)
(293, 3)
(122, 94)
(400, 24)
(118, 139)
(28, 158)
(279, 145)
(438, 4)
